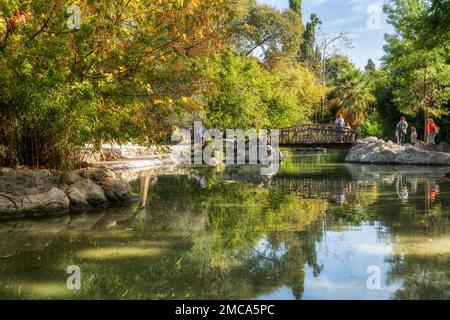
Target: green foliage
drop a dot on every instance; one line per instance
(373, 126)
(352, 94)
(246, 95)
(265, 31)
(337, 66)
(111, 79)
(309, 53)
(420, 68)
(296, 5)
(370, 67)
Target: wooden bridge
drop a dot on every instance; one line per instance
(318, 135)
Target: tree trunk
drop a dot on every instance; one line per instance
(425, 128)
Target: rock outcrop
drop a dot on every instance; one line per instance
(26, 192)
(373, 150)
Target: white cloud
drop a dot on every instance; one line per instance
(341, 21)
(315, 2)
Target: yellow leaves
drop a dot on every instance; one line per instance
(184, 100)
(148, 88)
(122, 69)
(248, 28)
(164, 101)
(109, 77)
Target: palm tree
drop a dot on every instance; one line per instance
(353, 96)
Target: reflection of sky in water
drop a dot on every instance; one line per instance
(210, 233)
(345, 257)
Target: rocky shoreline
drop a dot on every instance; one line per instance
(30, 193)
(25, 192)
(377, 151)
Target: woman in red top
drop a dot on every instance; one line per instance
(432, 131)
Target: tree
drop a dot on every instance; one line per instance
(309, 54)
(296, 95)
(421, 74)
(434, 31)
(246, 95)
(296, 6)
(370, 67)
(336, 66)
(265, 31)
(61, 88)
(236, 100)
(352, 94)
(328, 45)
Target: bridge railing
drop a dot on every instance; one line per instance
(313, 134)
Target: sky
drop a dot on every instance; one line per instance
(363, 20)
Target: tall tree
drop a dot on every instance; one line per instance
(370, 66)
(309, 53)
(337, 66)
(265, 31)
(296, 6)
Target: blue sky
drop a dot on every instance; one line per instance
(357, 17)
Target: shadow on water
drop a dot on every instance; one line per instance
(309, 232)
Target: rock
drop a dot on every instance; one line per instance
(85, 174)
(30, 192)
(92, 192)
(442, 147)
(118, 191)
(373, 150)
(51, 201)
(76, 197)
(103, 174)
(71, 177)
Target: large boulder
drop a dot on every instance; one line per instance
(47, 202)
(90, 191)
(117, 190)
(76, 197)
(103, 174)
(373, 150)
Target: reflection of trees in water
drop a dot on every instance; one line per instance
(225, 258)
(421, 247)
(187, 242)
(425, 274)
(419, 211)
(417, 225)
(237, 240)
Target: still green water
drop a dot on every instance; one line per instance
(311, 232)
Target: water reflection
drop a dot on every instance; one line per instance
(229, 233)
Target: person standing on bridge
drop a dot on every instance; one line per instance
(340, 123)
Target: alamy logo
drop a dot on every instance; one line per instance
(374, 280)
(74, 21)
(237, 146)
(374, 20)
(74, 280)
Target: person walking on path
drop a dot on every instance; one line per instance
(402, 128)
(433, 130)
